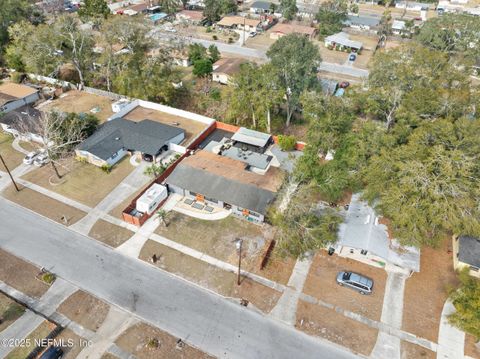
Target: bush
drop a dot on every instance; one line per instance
(215, 94)
(153, 343)
(287, 143)
(81, 159)
(209, 29)
(17, 77)
(215, 37)
(48, 277)
(230, 40)
(106, 168)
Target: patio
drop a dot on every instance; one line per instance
(201, 210)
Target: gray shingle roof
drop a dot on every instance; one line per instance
(362, 20)
(146, 136)
(469, 250)
(221, 188)
(265, 5)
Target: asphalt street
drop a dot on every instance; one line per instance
(216, 325)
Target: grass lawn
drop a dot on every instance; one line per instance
(208, 276)
(9, 311)
(39, 333)
(12, 157)
(43, 205)
(110, 233)
(82, 182)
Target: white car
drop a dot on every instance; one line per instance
(41, 159)
(30, 157)
(253, 34)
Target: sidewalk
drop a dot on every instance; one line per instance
(451, 341)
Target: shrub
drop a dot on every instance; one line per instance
(81, 159)
(153, 343)
(287, 143)
(209, 29)
(230, 40)
(48, 277)
(215, 94)
(215, 37)
(17, 77)
(106, 168)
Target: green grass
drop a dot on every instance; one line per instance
(9, 311)
(41, 332)
(11, 157)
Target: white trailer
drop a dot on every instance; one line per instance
(150, 200)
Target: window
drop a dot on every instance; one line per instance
(364, 252)
(475, 269)
(253, 214)
(351, 251)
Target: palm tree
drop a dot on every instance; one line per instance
(162, 216)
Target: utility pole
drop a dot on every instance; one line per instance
(8, 171)
(244, 24)
(238, 244)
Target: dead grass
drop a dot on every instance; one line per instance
(21, 275)
(208, 276)
(327, 323)
(321, 284)
(69, 336)
(108, 356)
(147, 342)
(43, 205)
(39, 333)
(110, 233)
(426, 292)
(85, 310)
(471, 349)
(192, 128)
(82, 102)
(412, 351)
(10, 311)
(260, 42)
(11, 157)
(82, 182)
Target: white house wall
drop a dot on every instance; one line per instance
(13, 105)
(369, 258)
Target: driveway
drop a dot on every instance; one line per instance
(203, 319)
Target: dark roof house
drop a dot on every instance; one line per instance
(469, 250)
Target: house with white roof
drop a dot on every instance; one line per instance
(342, 41)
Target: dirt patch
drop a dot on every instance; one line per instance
(85, 310)
(261, 41)
(43, 205)
(217, 239)
(110, 233)
(192, 128)
(67, 336)
(82, 182)
(147, 342)
(436, 277)
(327, 323)
(471, 349)
(41, 332)
(413, 351)
(10, 311)
(21, 275)
(12, 157)
(208, 276)
(83, 102)
(321, 284)
(108, 356)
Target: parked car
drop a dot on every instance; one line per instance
(253, 34)
(356, 281)
(344, 84)
(352, 57)
(30, 157)
(41, 159)
(52, 353)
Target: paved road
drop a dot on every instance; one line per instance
(203, 319)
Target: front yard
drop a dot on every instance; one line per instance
(12, 157)
(109, 233)
(10, 311)
(41, 332)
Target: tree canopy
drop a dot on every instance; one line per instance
(214, 9)
(94, 9)
(331, 16)
(289, 8)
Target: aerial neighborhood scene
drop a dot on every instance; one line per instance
(240, 179)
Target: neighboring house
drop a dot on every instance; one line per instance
(191, 16)
(307, 10)
(224, 69)
(22, 122)
(13, 96)
(261, 7)
(280, 30)
(116, 138)
(362, 22)
(412, 6)
(399, 27)
(341, 41)
(362, 237)
(225, 183)
(239, 22)
(466, 254)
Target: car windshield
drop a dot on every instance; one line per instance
(346, 276)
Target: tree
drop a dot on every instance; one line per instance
(196, 52)
(214, 53)
(154, 170)
(170, 6)
(289, 8)
(466, 300)
(162, 216)
(203, 68)
(268, 93)
(331, 16)
(214, 9)
(295, 59)
(11, 12)
(92, 9)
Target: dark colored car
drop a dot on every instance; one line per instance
(352, 57)
(360, 283)
(52, 353)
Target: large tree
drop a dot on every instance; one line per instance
(289, 8)
(215, 9)
(94, 9)
(331, 16)
(295, 59)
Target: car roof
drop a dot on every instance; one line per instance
(355, 277)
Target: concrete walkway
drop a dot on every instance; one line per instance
(286, 308)
(16, 146)
(451, 341)
(19, 329)
(387, 345)
(134, 245)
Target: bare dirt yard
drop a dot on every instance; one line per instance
(108, 356)
(327, 323)
(321, 284)
(82, 182)
(426, 292)
(39, 333)
(12, 157)
(43, 205)
(208, 276)
(413, 351)
(10, 311)
(82, 102)
(147, 342)
(200, 32)
(21, 275)
(85, 310)
(217, 239)
(70, 337)
(471, 349)
(110, 233)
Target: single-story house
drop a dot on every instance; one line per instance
(191, 16)
(466, 254)
(280, 30)
(342, 41)
(362, 237)
(412, 6)
(238, 22)
(116, 138)
(223, 182)
(307, 10)
(399, 27)
(23, 122)
(13, 96)
(362, 22)
(225, 68)
(261, 7)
